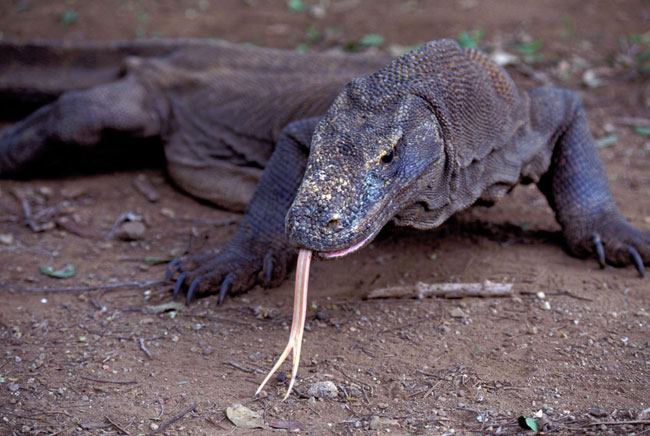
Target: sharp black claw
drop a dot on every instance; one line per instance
(600, 250)
(636, 259)
(269, 266)
(193, 288)
(173, 267)
(179, 283)
(226, 286)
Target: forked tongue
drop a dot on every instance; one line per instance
(298, 323)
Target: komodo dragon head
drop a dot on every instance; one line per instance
(392, 143)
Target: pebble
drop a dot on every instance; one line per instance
(6, 238)
(74, 191)
(458, 313)
(130, 231)
(325, 389)
(167, 212)
(377, 422)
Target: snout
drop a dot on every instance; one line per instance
(311, 226)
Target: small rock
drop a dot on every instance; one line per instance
(45, 191)
(167, 212)
(325, 390)
(317, 11)
(144, 186)
(13, 387)
(74, 191)
(377, 422)
(503, 58)
(591, 80)
(6, 238)
(355, 392)
(458, 313)
(597, 412)
(130, 231)
(643, 415)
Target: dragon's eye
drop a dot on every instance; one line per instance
(388, 157)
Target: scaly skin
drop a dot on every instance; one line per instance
(217, 108)
(440, 129)
(431, 134)
(428, 135)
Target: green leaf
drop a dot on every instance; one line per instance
(466, 39)
(642, 130)
(296, 5)
(372, 40)
(155, 260)
(69, 17)
(529, 49)
(312, 34)
(63, 273)
(528, 423)
(607, 140)
(302, 48)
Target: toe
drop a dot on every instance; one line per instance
(179, 285)
(226, 286)
(600, 250)
(173, 267)
(635, 257)
(196, 283)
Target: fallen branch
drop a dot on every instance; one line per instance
(116, 425)
(115, 382)
(85, 288)
(487, 289)
(173, 420)
(144, 348)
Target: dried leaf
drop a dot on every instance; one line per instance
(292, 426)
(243, 417)
(167, 307)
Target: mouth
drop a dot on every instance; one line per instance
(345, 251)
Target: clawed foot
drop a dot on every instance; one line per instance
(614, 241)
(230, 271)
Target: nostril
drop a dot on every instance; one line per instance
(333, 225)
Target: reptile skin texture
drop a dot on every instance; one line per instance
(340, 145)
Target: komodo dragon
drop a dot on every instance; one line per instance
(430, 133)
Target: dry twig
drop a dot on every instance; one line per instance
(421, 290)
(144, 349)
(173, 420)
(115, 382)
(85, 288)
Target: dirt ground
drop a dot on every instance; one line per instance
(103, 362)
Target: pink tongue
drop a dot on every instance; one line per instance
(298, 323)
(348, 250)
